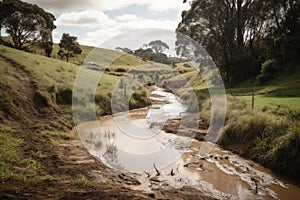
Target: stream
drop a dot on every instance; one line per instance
(133, 142)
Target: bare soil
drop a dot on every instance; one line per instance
(68, 170)
(173, 126)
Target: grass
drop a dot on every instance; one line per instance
(283, 92)
(11, 157)
(269, 136)
(55, 78)
(58, 136)
(10, 154)
(264, 101)
(102, 57)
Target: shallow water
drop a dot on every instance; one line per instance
(134, 142)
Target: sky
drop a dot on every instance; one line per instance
(97, 21)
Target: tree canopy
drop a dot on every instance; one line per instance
(158, 46)
(241, 34)
(68, 46)
(25, 23)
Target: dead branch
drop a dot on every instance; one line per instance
(256, 186)
(172, 173)
(148, 174)
(192, 163)
(157, 172)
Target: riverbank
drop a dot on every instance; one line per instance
(219, 174)
(269, 136)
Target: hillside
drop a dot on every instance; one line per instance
(40, 155)
(36, 121)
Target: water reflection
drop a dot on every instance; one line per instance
(140, 143)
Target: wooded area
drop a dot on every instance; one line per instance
(241, 35)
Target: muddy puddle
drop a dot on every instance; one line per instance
(134, 143)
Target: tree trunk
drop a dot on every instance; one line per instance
(239, 26)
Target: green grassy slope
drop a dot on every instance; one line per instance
(283, 92)
(98, 55)
(37, 149)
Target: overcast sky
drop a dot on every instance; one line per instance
(94, 21)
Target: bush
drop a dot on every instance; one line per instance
(64, 96)
(270, 137)
(285, 156)
(268, 71)
(139, 99)
(104, 102)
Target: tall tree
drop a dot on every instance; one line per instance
(223, 28)
(69, 46)
(241, 34)
(23, 28)
(24, 32)
(46, 41)
(158, 46)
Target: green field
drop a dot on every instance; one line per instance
(264, 101)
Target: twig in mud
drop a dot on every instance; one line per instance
(256, 186)
(157, 172)
(172, 173)
(192, 163)
(148, 174)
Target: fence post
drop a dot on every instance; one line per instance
(253, 101)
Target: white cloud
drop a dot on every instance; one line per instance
(99, 36)
(163, 5)
(59, 6)
(127, 18)
(88, 18)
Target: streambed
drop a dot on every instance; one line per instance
(134, 143)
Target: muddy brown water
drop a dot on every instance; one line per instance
(133, 142)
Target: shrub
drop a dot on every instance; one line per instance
(104, 102)
(270, 137)
(64, 96)
(139, 99)
(268, 71)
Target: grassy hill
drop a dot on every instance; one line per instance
(35, 114)
(38, 155)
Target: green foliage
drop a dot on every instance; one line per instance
(144, 53)
(58, 135)
(160, 58)
(268, 71)
(285, 155)
(64, 96)
(68, 46)
(104, 102)
(10, 154)
(25, 22)
(156, 55)
(238, 55)
(158, 46)
(139, 99)
(269, 136)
